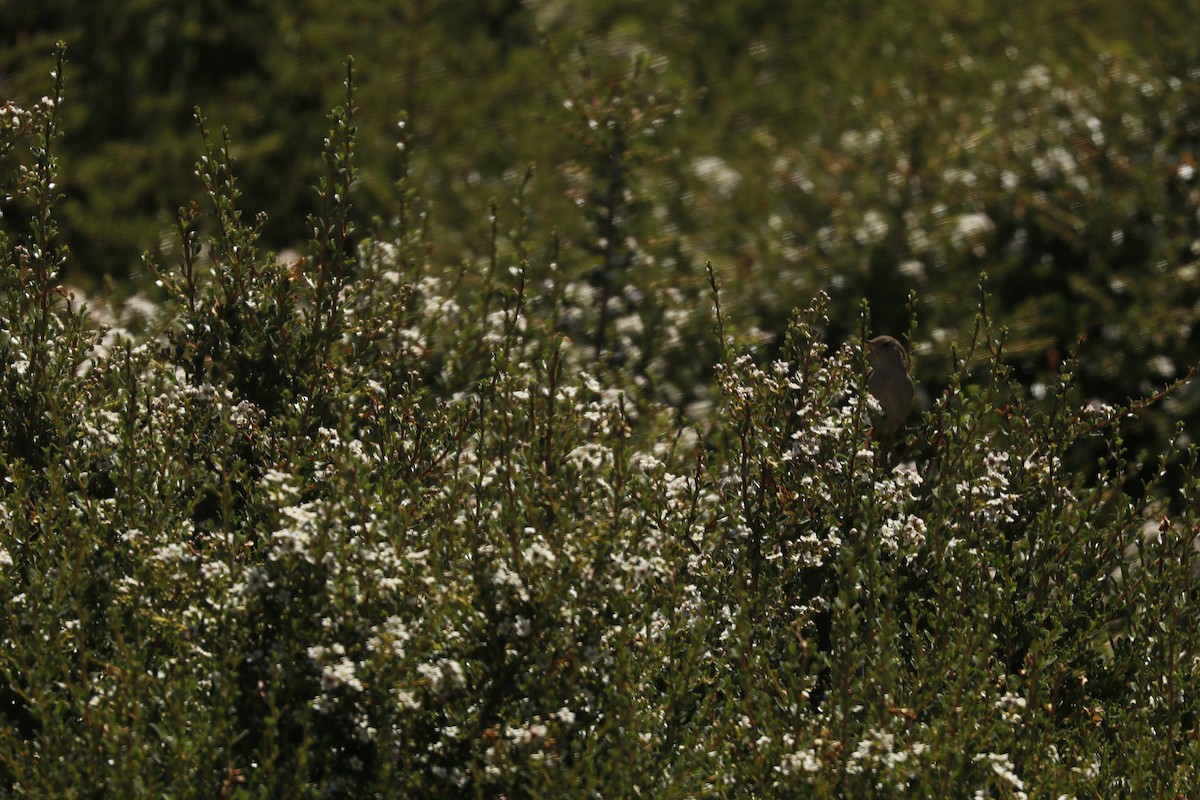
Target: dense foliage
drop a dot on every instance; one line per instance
(532, 504)
(863, 152)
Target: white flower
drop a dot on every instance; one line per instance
(538, 553)
(443, 673)
(340, 673)
(800, 761)
(720, 177)
(1003, 767)
(873, 228)
(970, 226)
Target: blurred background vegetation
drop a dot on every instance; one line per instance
(863, 149)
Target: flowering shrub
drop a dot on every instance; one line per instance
(363, 522)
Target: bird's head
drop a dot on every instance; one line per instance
(886, 351)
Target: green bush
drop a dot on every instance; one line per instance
(373, 522)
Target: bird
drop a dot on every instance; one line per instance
(891, 385)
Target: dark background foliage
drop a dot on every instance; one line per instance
(475, 82)
(866, 150)
(473, 489)
(863, 149)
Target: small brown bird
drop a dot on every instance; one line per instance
(890, 384)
